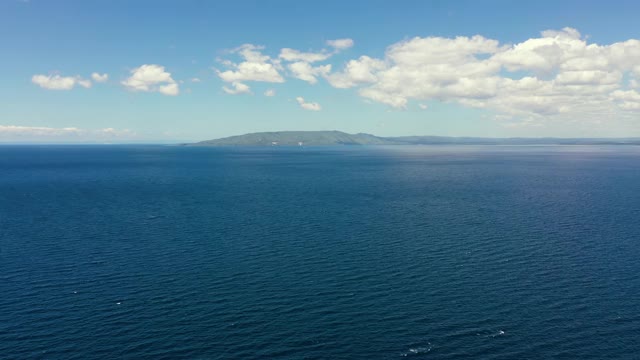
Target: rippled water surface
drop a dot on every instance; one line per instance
(319, 253)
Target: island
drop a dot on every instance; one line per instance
(329, 138)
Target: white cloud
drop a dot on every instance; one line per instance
(313, 106)
(84, 83)
(237, 88)
(255, 67)
(169, 89)
(295, 55)
(588, 77)
(195, 80)
(423, 68)
(300, 62)
(558, 74)
(423, 106)
(304, 71)
(100, 78)
(566, 32)
(41, 133)
(36, 130)
(340, 44)
(57, 82)
(151, 78)
(627, 100)
(396, 101)
(356, 72)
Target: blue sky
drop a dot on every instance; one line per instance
(459, 68)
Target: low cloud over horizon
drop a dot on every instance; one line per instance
(16, 133)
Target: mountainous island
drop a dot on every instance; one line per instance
(327, 138)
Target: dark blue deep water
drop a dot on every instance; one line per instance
(450, 252)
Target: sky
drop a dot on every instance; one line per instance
(173, 71)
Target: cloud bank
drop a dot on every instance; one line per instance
(16, 133)
(556, 74)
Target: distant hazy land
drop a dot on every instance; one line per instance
(326, 138)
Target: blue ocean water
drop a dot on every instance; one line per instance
(435, 252)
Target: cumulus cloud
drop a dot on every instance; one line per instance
(313, 106)
(356, 72)
(628, 100)
(151, 78)
(39, 133)
(340, 44)
(304, 71)
(255, 67)
(195, 80)
(57, 82)
(426, 68)
(237, 88)
(169, 89)
(84, 83)
(100, 78)
(556, 74)
(295, 55)
(270, 93)
(423, 106)
(300, 66)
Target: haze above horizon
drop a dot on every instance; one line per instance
(169, 71)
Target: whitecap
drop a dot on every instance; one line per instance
(417, 350)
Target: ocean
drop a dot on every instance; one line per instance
(434, 252)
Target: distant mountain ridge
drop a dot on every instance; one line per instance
(295, 138)
(325, 138)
